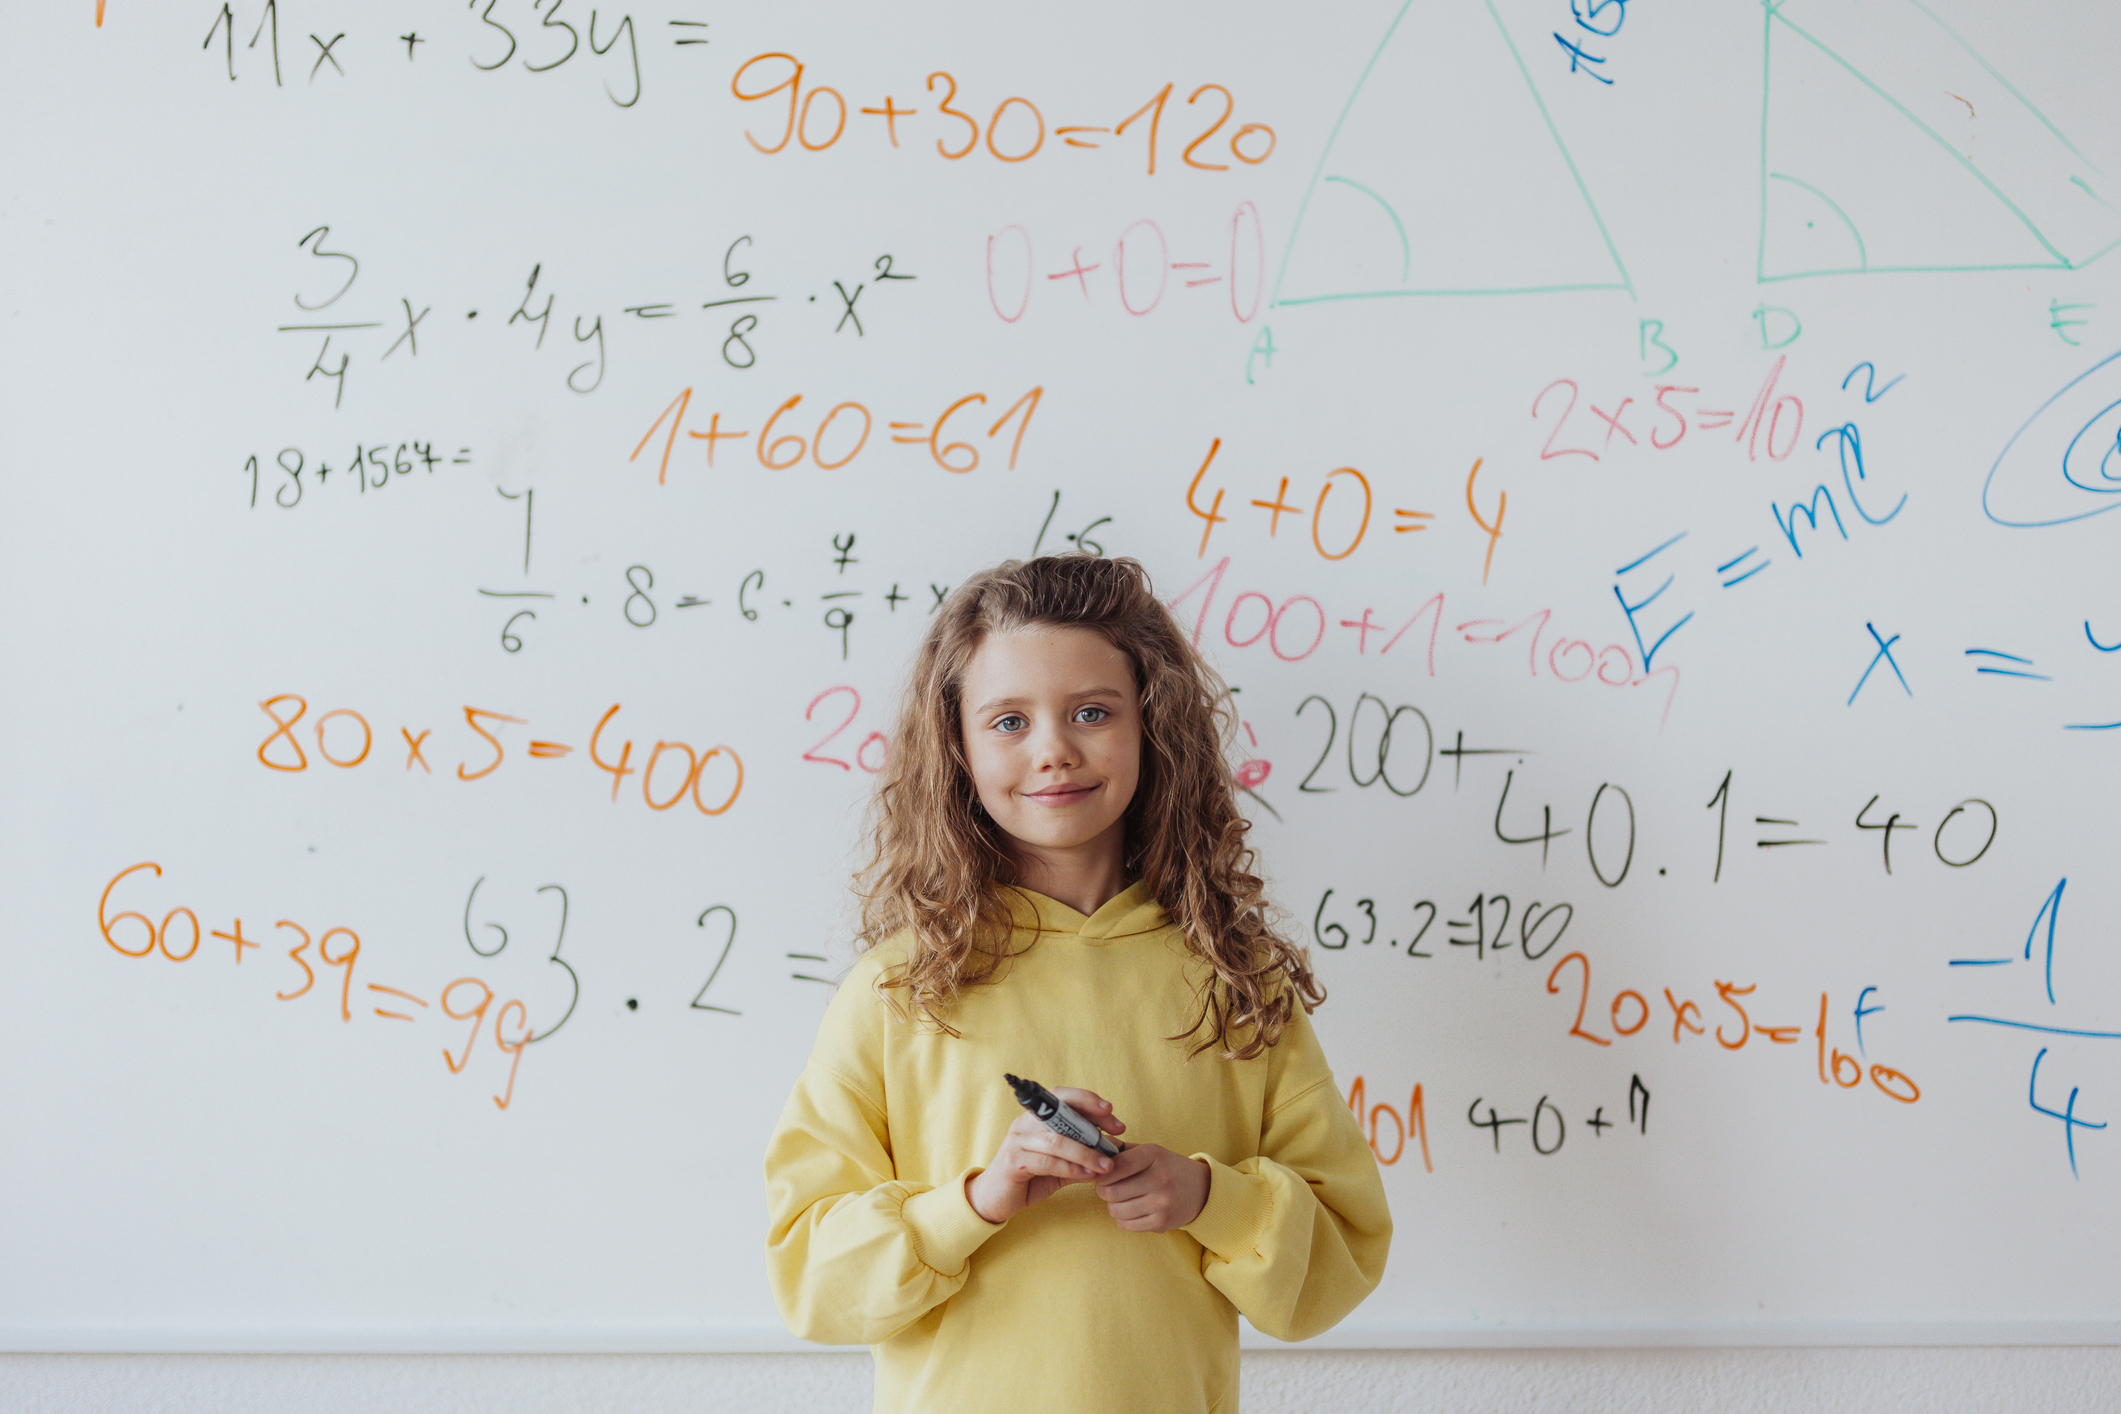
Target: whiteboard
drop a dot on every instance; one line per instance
(476, 477)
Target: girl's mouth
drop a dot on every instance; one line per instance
(1059, 795)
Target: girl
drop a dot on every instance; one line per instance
(1059, 887)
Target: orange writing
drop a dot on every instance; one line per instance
(512, 1049)
(285, 732)
(847, 425)
(780, 73)
(1582, 999)
(336, 947)
(696, 770)
(1212, 515)
(677, 406)
(1279, 505)
(346, 961)
(236, 937)
(793, 83)
(471, 716)
(1733, 1032)
(1415, 1125)
(619, 769)
(476, 1016)
(105, 921)
(309, 975)
(1318, 508)
(718, 767)
(1502, 504)
(368, 738)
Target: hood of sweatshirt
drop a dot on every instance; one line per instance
(1129, 913)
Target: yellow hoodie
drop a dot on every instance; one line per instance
(873, 1241)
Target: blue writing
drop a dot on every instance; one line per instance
(2067, 1114)
(1869, 370)
(1599, 7)
(1728, 565)
(1577, 59)
(1810, 513)
(1649, 652)
(1861, 1012)
(2035, 1026)
(2008, 658)
(2052, 912)
(1884, 655)
(1851, 448)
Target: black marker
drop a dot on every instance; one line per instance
(1058, 1117)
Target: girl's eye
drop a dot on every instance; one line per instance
(1092, 714)
(1010, 723)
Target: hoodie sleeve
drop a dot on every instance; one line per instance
(853, 1253)
(1296, 1235)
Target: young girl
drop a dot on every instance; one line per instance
(1060, 888)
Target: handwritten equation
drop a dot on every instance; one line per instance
(357, 328)
(343, 739)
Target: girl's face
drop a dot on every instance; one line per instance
(1052, 729)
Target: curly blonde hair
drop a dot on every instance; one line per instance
(938, 864)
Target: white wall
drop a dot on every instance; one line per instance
(1869, 1381)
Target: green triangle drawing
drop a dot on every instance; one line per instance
(1855, 180)
(1445, 175)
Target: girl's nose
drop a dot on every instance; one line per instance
(1054, 749)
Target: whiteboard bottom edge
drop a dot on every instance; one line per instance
(530, 1340)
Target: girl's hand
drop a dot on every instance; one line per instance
(1154, 1189)
(1033, 1161)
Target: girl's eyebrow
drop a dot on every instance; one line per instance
(1000, 702)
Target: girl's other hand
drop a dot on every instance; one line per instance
(1033, 1161)
(1154, 1189)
